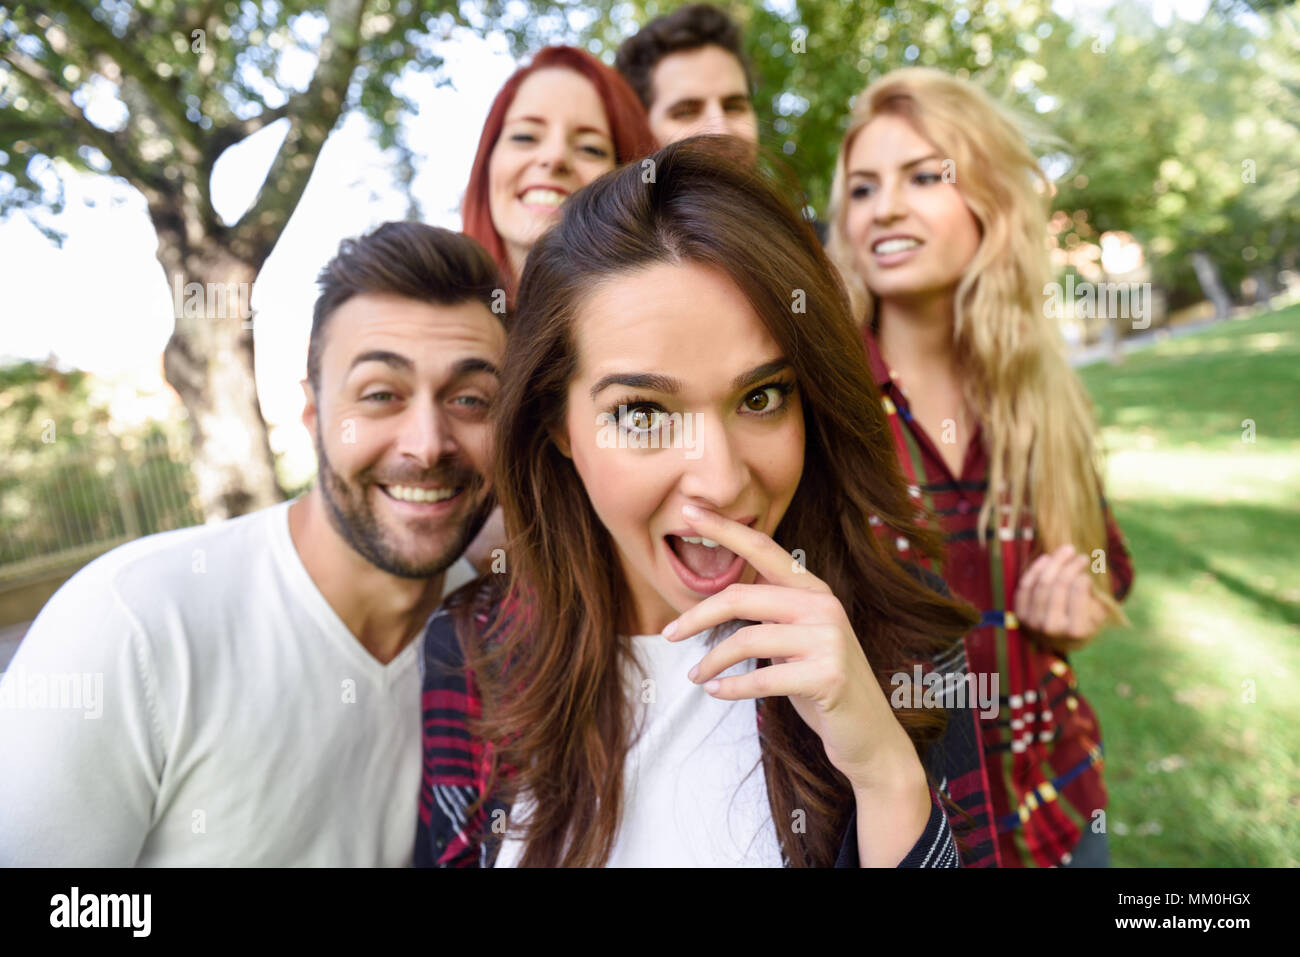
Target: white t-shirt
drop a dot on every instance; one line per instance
(192, 699)
(694, 793)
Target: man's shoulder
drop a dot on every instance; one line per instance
(177, 564)
(158, 596)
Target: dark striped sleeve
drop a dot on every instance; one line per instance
(448, 784)
(935, 847)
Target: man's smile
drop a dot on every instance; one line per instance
(421, 494)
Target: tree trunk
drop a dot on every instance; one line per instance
(209, 361)
(1207, 274)
(1264, 288)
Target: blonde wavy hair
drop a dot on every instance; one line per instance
(1038, 421)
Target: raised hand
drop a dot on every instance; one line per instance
(817, 661)
(1055, 601)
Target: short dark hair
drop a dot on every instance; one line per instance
(686, 28)
(414, 260)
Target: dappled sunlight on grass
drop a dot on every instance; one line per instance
(1209, 344)
(1199, 773)
(1217, 632)
(1213, 478)
(1197, 699)
(1183, 391)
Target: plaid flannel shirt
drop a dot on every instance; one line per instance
(1042, 753)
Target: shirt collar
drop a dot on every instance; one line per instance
(879, 371)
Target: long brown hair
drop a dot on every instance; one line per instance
(556, 709)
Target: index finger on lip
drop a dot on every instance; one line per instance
(769, 559)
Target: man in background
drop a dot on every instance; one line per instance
(691, 74)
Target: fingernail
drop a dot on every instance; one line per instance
(693, 672)
(690, 511)
(713, 686)
(670, 629)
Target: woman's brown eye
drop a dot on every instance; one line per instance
(762, 400)
(765, 400)
(640, 420)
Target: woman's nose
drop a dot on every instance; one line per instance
(554, 154)
(889, 202)
(714, 472)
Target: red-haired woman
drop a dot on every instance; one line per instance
(685, 659)
(556, 125)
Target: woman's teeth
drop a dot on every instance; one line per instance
(887, 246)
(409, 493)
(543, 197)
(704, 557)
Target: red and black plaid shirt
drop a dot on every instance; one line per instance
(1042, 753)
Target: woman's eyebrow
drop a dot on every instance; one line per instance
(638, 380)
(541, 121)
(908, 165)
(759, 372)
(670, 386)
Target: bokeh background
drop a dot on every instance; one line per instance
(146, 145)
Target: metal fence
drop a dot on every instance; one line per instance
(59, 510)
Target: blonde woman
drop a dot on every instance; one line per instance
(938, 225)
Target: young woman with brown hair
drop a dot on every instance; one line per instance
(689, 449)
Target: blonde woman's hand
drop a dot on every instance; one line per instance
(1055, 600)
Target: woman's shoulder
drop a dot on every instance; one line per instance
(442, 653)
(930, 579)
(950, 656)
(475, 612)
(449, 834)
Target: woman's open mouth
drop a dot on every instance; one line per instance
(703, 566)
(895, 249)
(543, 200)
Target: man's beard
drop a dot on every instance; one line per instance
(353, 516)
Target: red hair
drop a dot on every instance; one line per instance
(628, 124)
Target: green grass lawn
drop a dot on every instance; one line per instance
(1199, 700)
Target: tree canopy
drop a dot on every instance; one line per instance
(1184, 135)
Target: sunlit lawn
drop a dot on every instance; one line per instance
(1200, 699)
